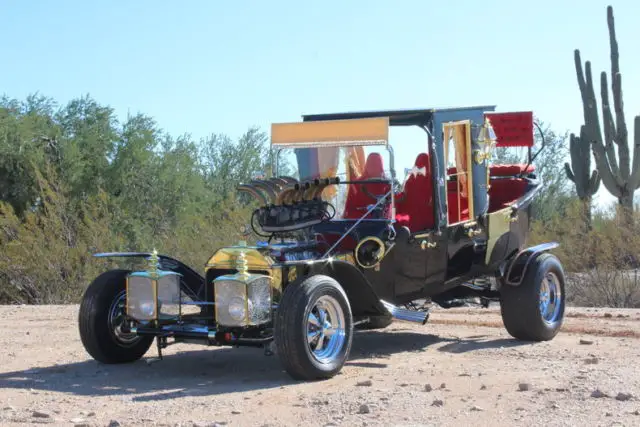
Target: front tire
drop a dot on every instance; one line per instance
(313, 330)
(534, 310)
(100, 320)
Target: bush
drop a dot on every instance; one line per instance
(46, 257)
(601, 263)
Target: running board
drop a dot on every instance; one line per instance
(406, 315)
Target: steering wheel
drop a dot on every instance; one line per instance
(376, 197)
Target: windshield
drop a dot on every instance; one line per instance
(349, 164)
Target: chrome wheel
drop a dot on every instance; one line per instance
(116, 321)
(326, 329)
(550, 298)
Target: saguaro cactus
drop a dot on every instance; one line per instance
(620, 176)
(578, 171)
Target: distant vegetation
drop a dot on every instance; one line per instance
(74, 181)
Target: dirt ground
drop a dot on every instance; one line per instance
(460, 369)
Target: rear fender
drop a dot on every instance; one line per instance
(363, 299)
(193, 283)
(514, 270)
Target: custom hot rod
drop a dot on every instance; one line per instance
(347, 245)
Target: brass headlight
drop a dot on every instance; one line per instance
(153, 294)
(241, 302)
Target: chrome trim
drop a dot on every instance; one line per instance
(325, 329)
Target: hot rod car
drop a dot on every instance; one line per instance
(347, 245)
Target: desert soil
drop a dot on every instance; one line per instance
(462, 368)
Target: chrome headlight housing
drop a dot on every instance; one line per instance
(153, 295)
(242, 300)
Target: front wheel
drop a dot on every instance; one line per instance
(534, 310)
(101, 319)
(313, 328)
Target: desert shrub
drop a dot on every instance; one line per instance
(47, 257)
(75, 180)
(601, 263)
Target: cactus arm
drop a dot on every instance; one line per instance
(602, 165)
(578, 170)
(621, 136)
(591, 118)
(569, 172)
(634, 178)
(577, 161)
(609, 130)
(594, 182)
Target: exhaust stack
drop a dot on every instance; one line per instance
(406, 315)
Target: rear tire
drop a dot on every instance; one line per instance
(534, 310)
(308, 348)
(101, 311)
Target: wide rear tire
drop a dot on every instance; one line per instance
(534, 310)
(313, 328)
(101, 311)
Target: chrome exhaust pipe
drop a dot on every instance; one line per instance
(400, 313)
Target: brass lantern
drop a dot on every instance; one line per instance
(242, 299)
(153, 294)
(486, 140)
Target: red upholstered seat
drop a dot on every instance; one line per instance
(414, 207)
(504, 191)
(356, 197)
(510, 170)
(503, 170)
(452, 204)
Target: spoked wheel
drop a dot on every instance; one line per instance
(101, 320)
(550, 298)
(313, 328)
(534, 310)
(116, 322)
(325, 329)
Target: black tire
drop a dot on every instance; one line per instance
(290, 328)
(375, 322)
(97, 335)
(520, 305)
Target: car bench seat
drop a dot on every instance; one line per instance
(357, 200)
(505, 185)
(414, 204)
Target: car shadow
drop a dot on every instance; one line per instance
(480, 342)
(206, 372)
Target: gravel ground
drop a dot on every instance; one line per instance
(459, 369)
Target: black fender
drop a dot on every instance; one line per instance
(514, 269)
(192, 282)
(363, 299)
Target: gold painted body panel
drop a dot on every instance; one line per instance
(499, 224)
(225, 259)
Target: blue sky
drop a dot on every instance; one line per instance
(211, 66)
